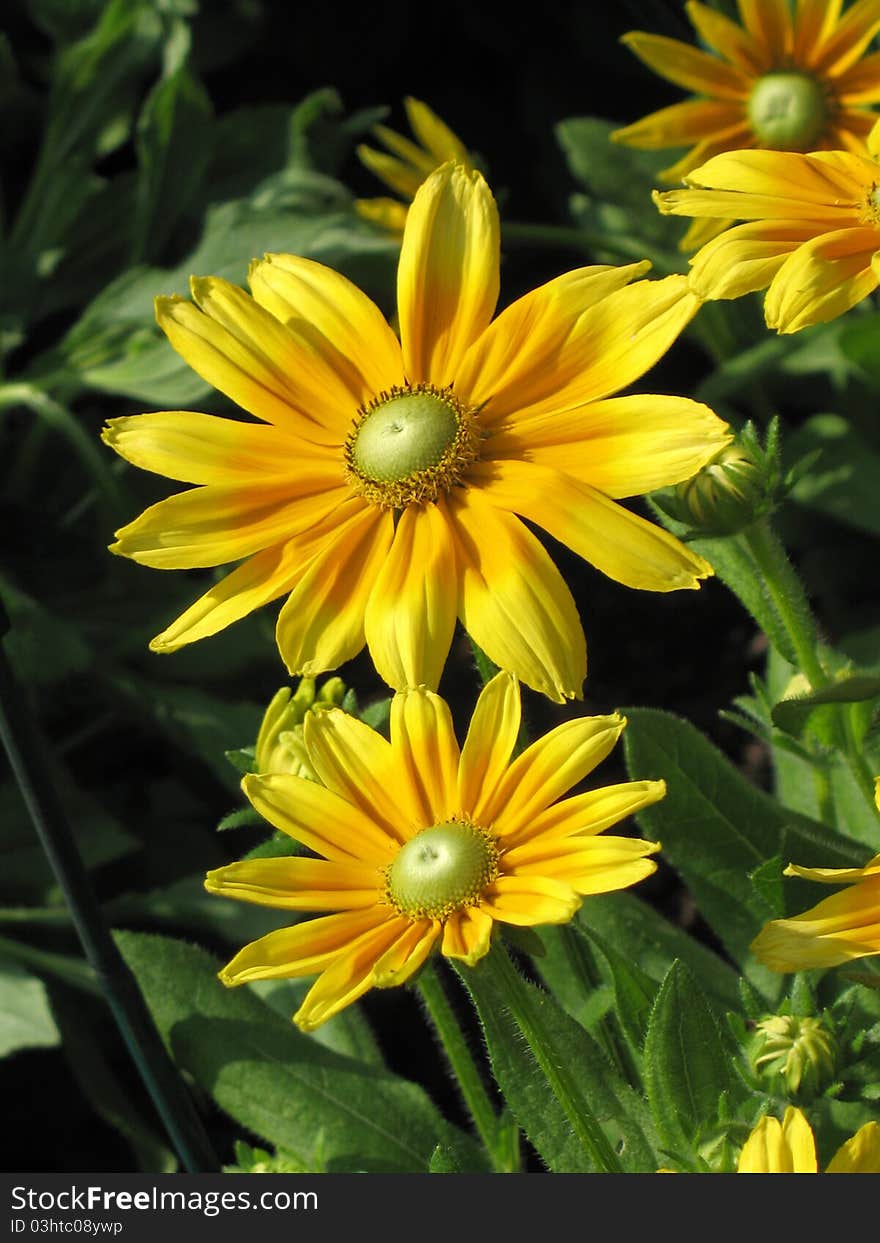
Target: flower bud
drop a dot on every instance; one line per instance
(726, 496)
(799, 1051)
(280, 747)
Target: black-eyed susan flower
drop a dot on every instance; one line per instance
(381, 490)
(784, 80)
(811, 235)
(405, 164)
(424, 846)
(839, 929)
(788, 1147)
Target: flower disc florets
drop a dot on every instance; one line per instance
(410, 444)
(442, 869)
(788, 111)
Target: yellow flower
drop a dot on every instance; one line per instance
(842, 927)
(280, 747)
(380, 491)
(811, 237)
(424, 846)
(406, 164)
(783, 81)
(789, 1148)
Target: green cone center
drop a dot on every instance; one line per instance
(788, 111)
(404, 435)
(443, 868)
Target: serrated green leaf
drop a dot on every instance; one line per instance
(242, 759)
(26, 1020)
(686, 1064)
(332, 1112)
(244, 817)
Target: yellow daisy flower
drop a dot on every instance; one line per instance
(406, 164)
(788, 1147)
(380, 491)
(783, 80)
(811, 237)
(426, 846)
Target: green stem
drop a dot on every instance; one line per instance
(609, 1037)
(71, 970)
(561, 1078)
(26, 751)
(464, 1069)
(789, 599)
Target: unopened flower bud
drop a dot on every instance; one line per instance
(280, 747)
(726, 496)
(801, 1051)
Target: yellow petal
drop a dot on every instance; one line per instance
(822, 279)
(362, 767)
(214, 525)
(343, 325)
(408, 953)
(835, 876)
(410, 615)
(832, 180)
(322, 818)
(529, 900)
(682, 123)
(423, 737)
(727, 38)
(592, 865)
(303, 949)
(537, 345)
(399, 175)
(447, 281)
(774, 1148)
(622, 545)
(321, 625)
(853, 33)
(492, 735)
(583, 815)
(748, 256)
(623, 446)
(814, 21)
(385, 213)
(514, 602)
(838, 929)
(860, 1154)
(467, 935)
(687, 66)
(769, 24)
(547, 769)
(299, 884)
(861, 83)
(433, 133)
(350, 975)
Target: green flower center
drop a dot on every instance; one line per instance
(788, 111)
(411, 444)
(442, 869)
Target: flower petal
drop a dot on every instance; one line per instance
(622, 545)
(299, 884)
(727, 38)
(323, 818)
(861, 83)
(860, 1154)
(513, 600)
(536, 346)
(687, 122)
(491, 737)
(547, 769)
(408, 953)
(434, 135)
(411, 612)
(836, 930)
(362, 768)
(623, 446)
(814, 21)
(423, 737)
(687, 66)
(447, 281)
(769, 24)
(590, 865)
(774, 1148)
(304, 948)
(321, 625)
(529, 900)
(350, 975)
(583, 815)
(822, 279)
(467, 934)
(748, 256)
(339, 322)
(851, 36)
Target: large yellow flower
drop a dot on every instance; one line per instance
(380, 491)
(785, 81)
(788, 1147)
(424, 846)
(404, 165)
(811, 237)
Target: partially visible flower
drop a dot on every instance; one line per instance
(842, 927)
(811, 237)
(798, 1049)
(280, 746)
(726, 496)
(383, 491)
(788, 1147)
(426, 846)
(406, 164)
(782, 81)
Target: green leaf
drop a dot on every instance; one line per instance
(330, 1112)
(174, 148)
(603, 1094)
(845, 481)
(795, 714)
(26, 1020)
(768, 883)
(717, 828)
(452, 1159)
(242, 759)
(687, 1066)
(242, 818)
